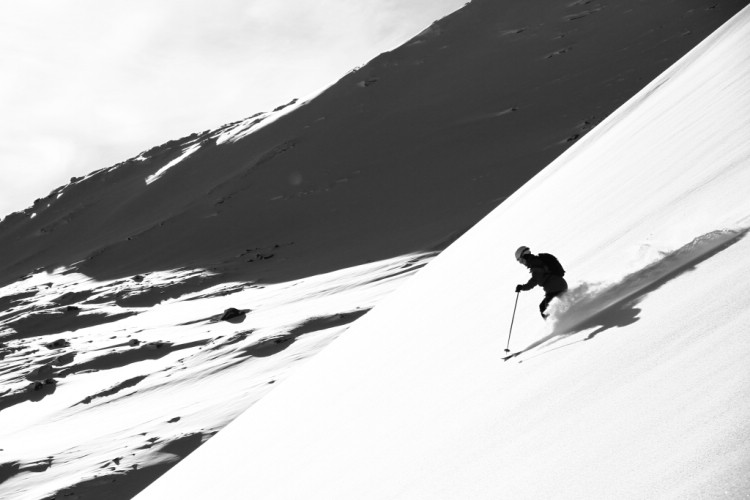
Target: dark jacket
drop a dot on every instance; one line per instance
(541, 276)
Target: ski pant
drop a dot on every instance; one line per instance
(554, 286)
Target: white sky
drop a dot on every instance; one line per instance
(85, 84)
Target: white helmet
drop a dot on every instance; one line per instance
(522, 250)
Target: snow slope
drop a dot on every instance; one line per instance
(115, 363)
(131, 386)
(642, 394)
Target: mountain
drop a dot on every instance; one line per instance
(639, 386)
(292, 224)
(420, 144)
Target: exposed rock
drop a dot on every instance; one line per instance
(41, 372)
(57, 344)
(232, 313)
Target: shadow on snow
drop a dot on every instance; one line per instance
(274, 345)
(614, 305)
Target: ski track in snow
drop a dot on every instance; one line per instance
(116, 392)
(590, 309)
(600, 306)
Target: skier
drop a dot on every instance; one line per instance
(546, 272)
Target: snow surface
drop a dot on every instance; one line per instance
(137, 384)
(188, 151)
(116, 365)
(644, 394)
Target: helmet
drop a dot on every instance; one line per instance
(521, 252)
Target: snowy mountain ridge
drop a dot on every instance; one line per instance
(461, 132)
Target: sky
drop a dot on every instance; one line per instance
(86, 84)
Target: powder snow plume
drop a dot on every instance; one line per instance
(605, 305)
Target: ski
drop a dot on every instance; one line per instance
(511, 355)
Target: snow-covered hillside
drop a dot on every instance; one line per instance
(131, 386)
(644, 392)
(115, 360)
(399, 156)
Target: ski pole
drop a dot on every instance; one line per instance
(511, 322)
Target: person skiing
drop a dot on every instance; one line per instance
(546, 272)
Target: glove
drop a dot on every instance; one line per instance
(519, 288)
